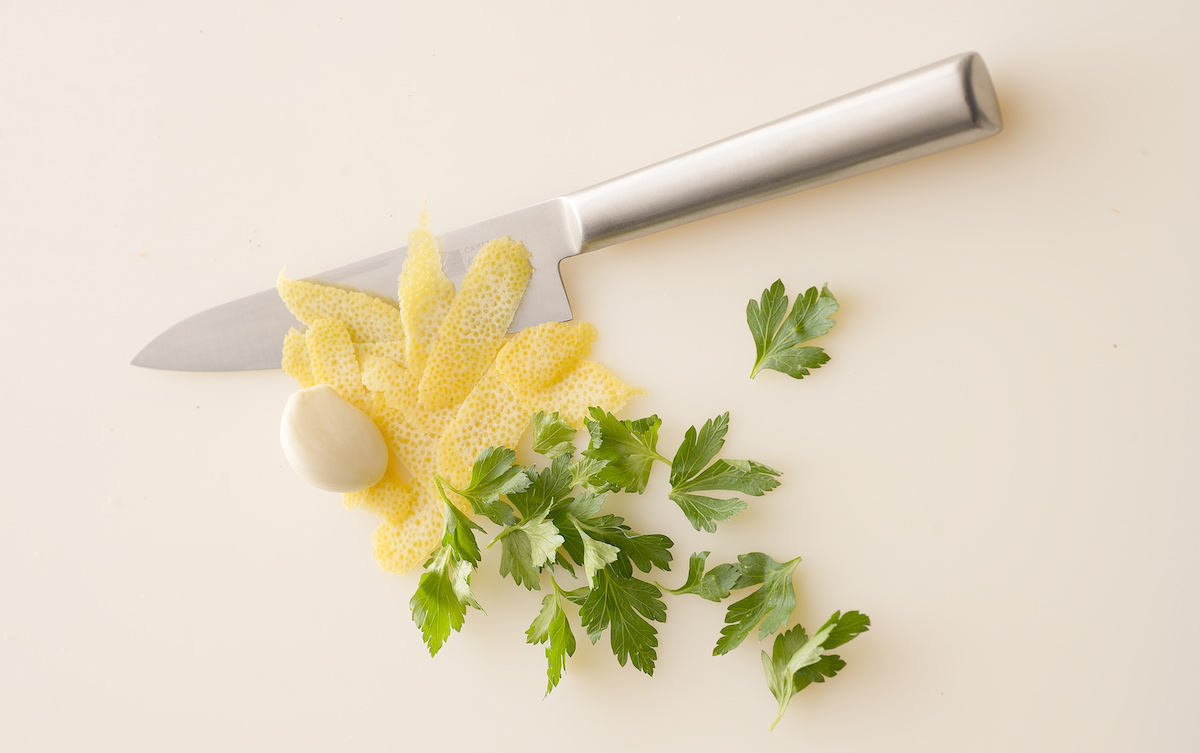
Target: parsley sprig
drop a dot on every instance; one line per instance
(691, 473)
(779, 336)
(552, 524)
(444, 590)
(628, 450)
(796, 661)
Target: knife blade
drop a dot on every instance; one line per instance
(940, 106)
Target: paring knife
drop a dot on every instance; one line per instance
(947, 104)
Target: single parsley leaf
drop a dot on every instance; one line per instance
(642, 551)
(699, 448)
(688, 475)
(578, 595)
(778, 338)
(458, 535)
(596, 554)
(626, 607)
(796, 661)
(585, 472)
(562, 560)
(583, 505)
(552, 436)
(546, 487)
(846, 627)
(552, 628)
(526, 548)
(494, 473)
(628, 446)
(767, 607)
(713, 585)
(704, 512)
(442, 597)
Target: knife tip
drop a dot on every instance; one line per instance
(145, 361)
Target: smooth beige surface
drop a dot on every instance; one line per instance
(999, 465)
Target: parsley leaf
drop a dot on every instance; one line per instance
(698, 448)
(704, 512)
(642, 551)
(629, 447)
(585, 472)
(458, 537)
(713, 585)
(552, 436)
(526, 548)
(796, 661)
(596, 554)
(687, 476)
(562, 560)
(442, 597)
(552, 628)
(626, 607)
(778, 336)
(444, 590)
(494, 473)
(584, 505)
(551, 484)
(528, 545)
(768, 607)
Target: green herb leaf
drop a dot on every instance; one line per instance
(494, 509)
(699, 448)
(777, 338)
(704, 512)
(796, 661)
(442, 597)
(552, 628)
(552, 436)
(547, 487)
(458, 536)
(642, 551)
(585, 472)
(845, 628)
(596, 554)
(626, 607)
(526, 548)
(562, 560)
(583, 506)
(688, 476)
(768, 607)
(578, 595)
(494, 473)
(629, 447)
(713, 585)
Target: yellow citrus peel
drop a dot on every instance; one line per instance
(425, 294)
(476, 323)
(437, 377)
(368, 318)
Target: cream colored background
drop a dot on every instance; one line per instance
(999, 465)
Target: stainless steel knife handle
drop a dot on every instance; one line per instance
(940, 106)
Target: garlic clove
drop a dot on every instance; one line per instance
(330, 443)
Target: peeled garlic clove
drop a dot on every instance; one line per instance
(330, 443)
